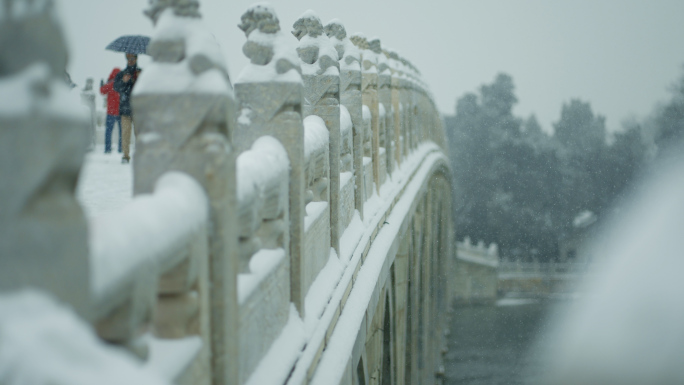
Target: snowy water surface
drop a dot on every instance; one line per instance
(493, 344)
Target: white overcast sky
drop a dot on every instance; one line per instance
(620, 55)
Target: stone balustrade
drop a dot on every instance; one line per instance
(243, 197)
(149, 264)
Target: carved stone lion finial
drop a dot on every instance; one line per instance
(261, 17)
(375, 45)
(183, 8)
(336, 29)
(359, 40)
(307, 24)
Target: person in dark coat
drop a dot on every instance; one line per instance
(112, 110)
(123, 84)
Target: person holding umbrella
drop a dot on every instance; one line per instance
(124, 82)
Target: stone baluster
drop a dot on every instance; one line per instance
(405, 97)
(396, 89)
(418, 127)
(350, 97)
(190, 131)
(369, 92)
(386, 133)
(269, 93)
(321, 77)
(43, 139)
(408, 96)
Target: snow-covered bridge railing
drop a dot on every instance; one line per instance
(536, 269)
(146, 262)
(293, 229)
(475, 272)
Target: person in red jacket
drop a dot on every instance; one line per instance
(112, 110)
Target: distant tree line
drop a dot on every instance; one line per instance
(518, 186)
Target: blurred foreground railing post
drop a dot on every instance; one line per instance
(43, 139)
(184, 123)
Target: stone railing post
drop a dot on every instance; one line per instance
(396, 90)
(369, 92)
(378, 114)
(321, 77)
(185, 125)
(405, 97)
(385, 99)
(411, 106)
(350, 97)
(269, 93)
(43, 139)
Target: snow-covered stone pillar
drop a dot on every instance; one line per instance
(43, 139)
(385, 105)
(350, 98)
(412, 108)
(269, 93)
(396, 90)
(369, 90)
(406, 110)
(321, 76)
(184, 115)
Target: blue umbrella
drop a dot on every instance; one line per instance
(136, 44)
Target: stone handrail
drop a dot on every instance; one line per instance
(146, 253)
(513, 268)
(479, 253)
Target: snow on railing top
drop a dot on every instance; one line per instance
(315, 136)
(149, 229)
(42, 342)
(316, 139)
(262, 182)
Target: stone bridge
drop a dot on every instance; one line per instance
(540, 278)
(292, 226)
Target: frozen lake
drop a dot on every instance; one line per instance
(490, 344)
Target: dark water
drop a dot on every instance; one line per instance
(491, 344)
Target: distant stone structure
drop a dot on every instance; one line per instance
(475, 272)
(290, 227)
